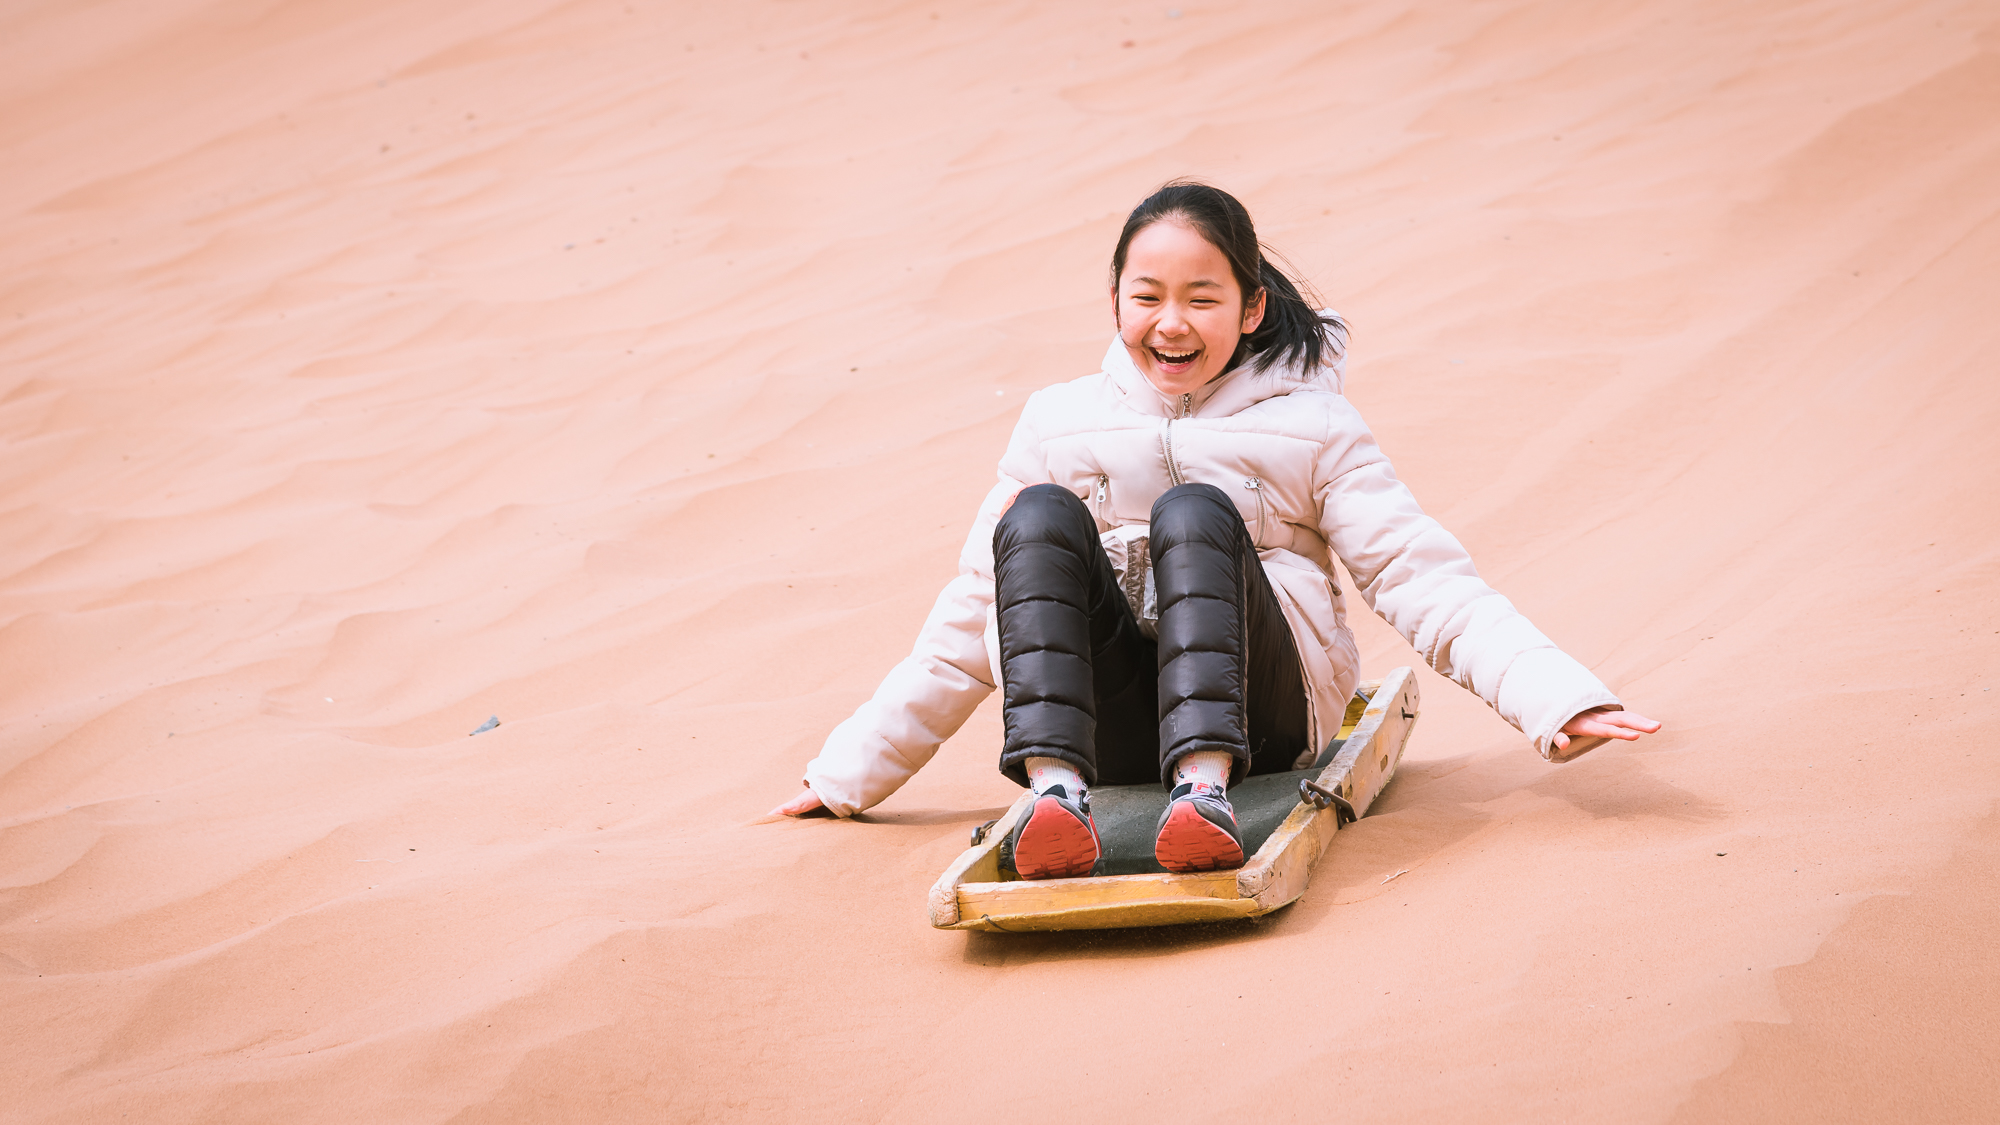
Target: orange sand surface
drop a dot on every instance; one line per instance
(631, 371)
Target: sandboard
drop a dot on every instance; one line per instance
(1286, 838)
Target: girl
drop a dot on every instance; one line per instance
(1152, 580)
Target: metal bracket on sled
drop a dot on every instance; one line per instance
(1319, 797)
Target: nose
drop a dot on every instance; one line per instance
(1171, 322)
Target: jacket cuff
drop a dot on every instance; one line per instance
(837, 800)
(1543, 689)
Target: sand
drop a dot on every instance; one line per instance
(631, 371)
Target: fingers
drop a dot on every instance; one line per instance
(1622, 724)
(1594, 727)
(1612, 724)
(803, 803)
(1632, 719)
(1627, 725)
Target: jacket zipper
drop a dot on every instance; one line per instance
(1103, 494)
(1167, 440)
(1256, 485)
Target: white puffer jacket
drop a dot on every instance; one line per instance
(1311, 484)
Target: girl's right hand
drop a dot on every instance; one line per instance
(798, 806)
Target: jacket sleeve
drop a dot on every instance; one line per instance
(929, 695)
(1418, 577)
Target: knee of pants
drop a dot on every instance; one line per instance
(1194, 513)
(1045, 513)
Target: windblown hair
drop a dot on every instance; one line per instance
(1292, 329)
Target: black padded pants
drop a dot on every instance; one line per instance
(1085, 685)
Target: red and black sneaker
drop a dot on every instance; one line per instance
(1198, 831)
(1057, 839)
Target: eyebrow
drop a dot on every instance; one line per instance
(1204, 283)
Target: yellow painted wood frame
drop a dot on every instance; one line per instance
(975, 894)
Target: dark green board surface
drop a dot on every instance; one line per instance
(1127, 816)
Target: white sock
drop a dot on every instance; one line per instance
(1044, 772)
(1210, 766)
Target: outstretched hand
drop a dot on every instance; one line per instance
(1601, 723)
(800, 805)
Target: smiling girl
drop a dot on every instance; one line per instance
(1151, 581)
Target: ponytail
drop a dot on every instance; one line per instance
(1293, 332)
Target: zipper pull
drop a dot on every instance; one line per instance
(1103, 489)
(1256, 485)
(1187, 405)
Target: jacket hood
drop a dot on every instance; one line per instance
(1234, 390)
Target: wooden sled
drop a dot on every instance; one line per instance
(977, 893)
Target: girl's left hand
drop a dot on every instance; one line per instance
(1603, 723)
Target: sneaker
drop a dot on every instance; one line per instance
(1198, 831)
(1057, 839)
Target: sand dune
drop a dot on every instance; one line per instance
(631, 371)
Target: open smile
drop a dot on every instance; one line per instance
(1175, 359)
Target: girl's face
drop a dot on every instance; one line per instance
(1179, 309)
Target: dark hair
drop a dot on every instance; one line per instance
(1292, 328)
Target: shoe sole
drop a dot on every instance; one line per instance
(1055, 844)
(1190, 842)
